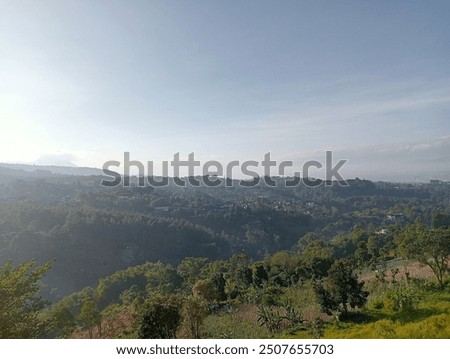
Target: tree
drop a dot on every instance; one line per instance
(238, 276)
(20, 300)
(380, 247)
(194, 313)
(429, 246)
(90, 316)
(260, 276)
(63, 320)
(316, 255)
(110, 316)
(440, 220)
(215, 273)
(206, 289)
(192, 269)
(341, 289)
(163, 278)
(132, 296)
(159, 318)
(284, 266)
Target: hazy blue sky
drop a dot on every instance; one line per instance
(84, 81)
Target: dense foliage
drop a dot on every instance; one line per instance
(20, 300)
(192, 262)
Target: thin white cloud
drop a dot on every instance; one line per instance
(412, 161)
(349, 109)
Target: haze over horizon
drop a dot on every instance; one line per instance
(82, 82)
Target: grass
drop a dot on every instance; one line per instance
(430, 320)
(239, 322)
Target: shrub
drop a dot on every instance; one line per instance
(159, 318)
(403, 298)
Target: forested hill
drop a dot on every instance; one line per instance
(44, 170)
(89, 231)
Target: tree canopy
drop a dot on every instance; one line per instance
(20, 300)
(429, 246)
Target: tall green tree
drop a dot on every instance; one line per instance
(207, 290)
(316, 255)
(20, 300)
(238, 276)
(341, 289)
(62, 320)
(429, 246)
(159, 318)
(191, 269)
(194, 313)
(90, 317)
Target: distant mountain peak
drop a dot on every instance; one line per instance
(64, 159)
(58, 170)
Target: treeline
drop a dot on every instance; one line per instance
(263, 247)
(87, 244)
(99, 233)
(283, 287)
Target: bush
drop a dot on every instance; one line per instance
(271, 295)
(403, 298)
(159, 318)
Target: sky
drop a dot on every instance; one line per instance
(81, 82)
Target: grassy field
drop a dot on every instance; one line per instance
(429, 319)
